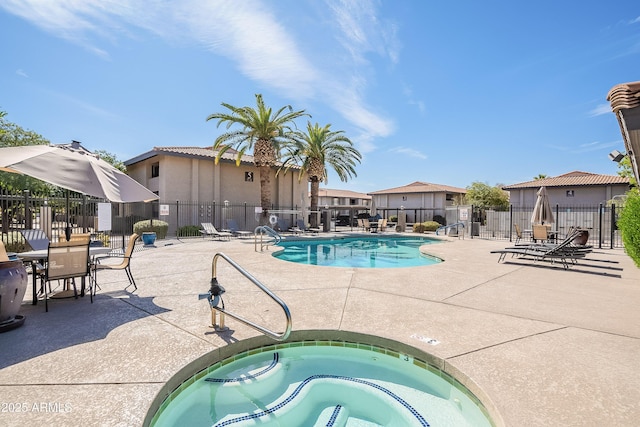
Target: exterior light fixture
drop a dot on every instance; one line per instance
(616, 156)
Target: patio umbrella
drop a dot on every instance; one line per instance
(72, 167)
(372, 208)
(542, 213)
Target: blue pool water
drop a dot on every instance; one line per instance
(374, 252)
(321, 383)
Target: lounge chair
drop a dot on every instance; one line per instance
(382, 225)
(565, 251)
(301, 227)
(232, 227)
(209, 230)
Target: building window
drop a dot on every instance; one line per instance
(155, 169)
(570, 193)
(352, 201)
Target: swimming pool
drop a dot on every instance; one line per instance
(369, 252)
(321, 382)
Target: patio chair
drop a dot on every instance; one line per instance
(382, 224)
(232, 227)
(540, 233)
(125, 265)
(518, 233)
(366, 225)
(65, 261)
(209, 230)
(36, 238)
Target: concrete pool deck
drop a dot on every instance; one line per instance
(549, 347)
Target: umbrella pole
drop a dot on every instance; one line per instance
(67, 230)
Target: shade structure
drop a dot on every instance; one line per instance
(542, 213)
(74, 168)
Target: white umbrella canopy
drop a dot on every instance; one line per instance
(542, 212)
(74, 168)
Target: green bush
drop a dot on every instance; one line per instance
(189, 231)
(14, 242)
(629, 225)
(393, 218)
(421, 227)
(431, 225)
(160, 227)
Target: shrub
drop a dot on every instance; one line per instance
(189, 231)
(14, 242)
(629, 225)
(421, 227)
(431, 225)
(160, 227)
(440, 219)
(393, 218)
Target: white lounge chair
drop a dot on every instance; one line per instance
(209, 230)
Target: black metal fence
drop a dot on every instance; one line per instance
(599, 221)
(184, 218)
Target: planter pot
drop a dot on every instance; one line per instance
(582, 238)
(148, 238)
(13, 285)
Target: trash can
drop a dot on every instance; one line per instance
(475, 228)
(326, 223)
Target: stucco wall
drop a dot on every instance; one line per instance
(193, 179)
(582, 195)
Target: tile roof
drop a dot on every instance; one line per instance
(195, 152)
(571, 179)
(203, 152)
(421, 187)
(329, 192)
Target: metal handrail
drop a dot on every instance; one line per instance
(261, 230)
(445, 227)
(216, 291)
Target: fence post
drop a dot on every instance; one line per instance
(28, 220)
(600, 208)
(613, 223)
(511, 222)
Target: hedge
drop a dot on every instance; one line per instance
(629, 225)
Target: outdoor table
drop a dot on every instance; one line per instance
(41, 255)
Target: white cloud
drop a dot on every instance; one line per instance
(600, 110)
(250, 34)
(22, 73)
(408, 152)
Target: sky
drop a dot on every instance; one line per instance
(449, 93)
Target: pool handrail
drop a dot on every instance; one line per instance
(261, 230)
(445, 227)
(216, 291)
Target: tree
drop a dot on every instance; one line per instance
(540, 176)
(261, 130)
(111, 159)
(316, 149)
(484, 196)
(12, 135)
(625, 170)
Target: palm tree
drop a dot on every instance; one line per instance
(540, 176)
(316, 149)
(261, 130)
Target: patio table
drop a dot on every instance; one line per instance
(41, 255)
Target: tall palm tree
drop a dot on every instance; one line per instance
(316, 149)
(261, 130)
